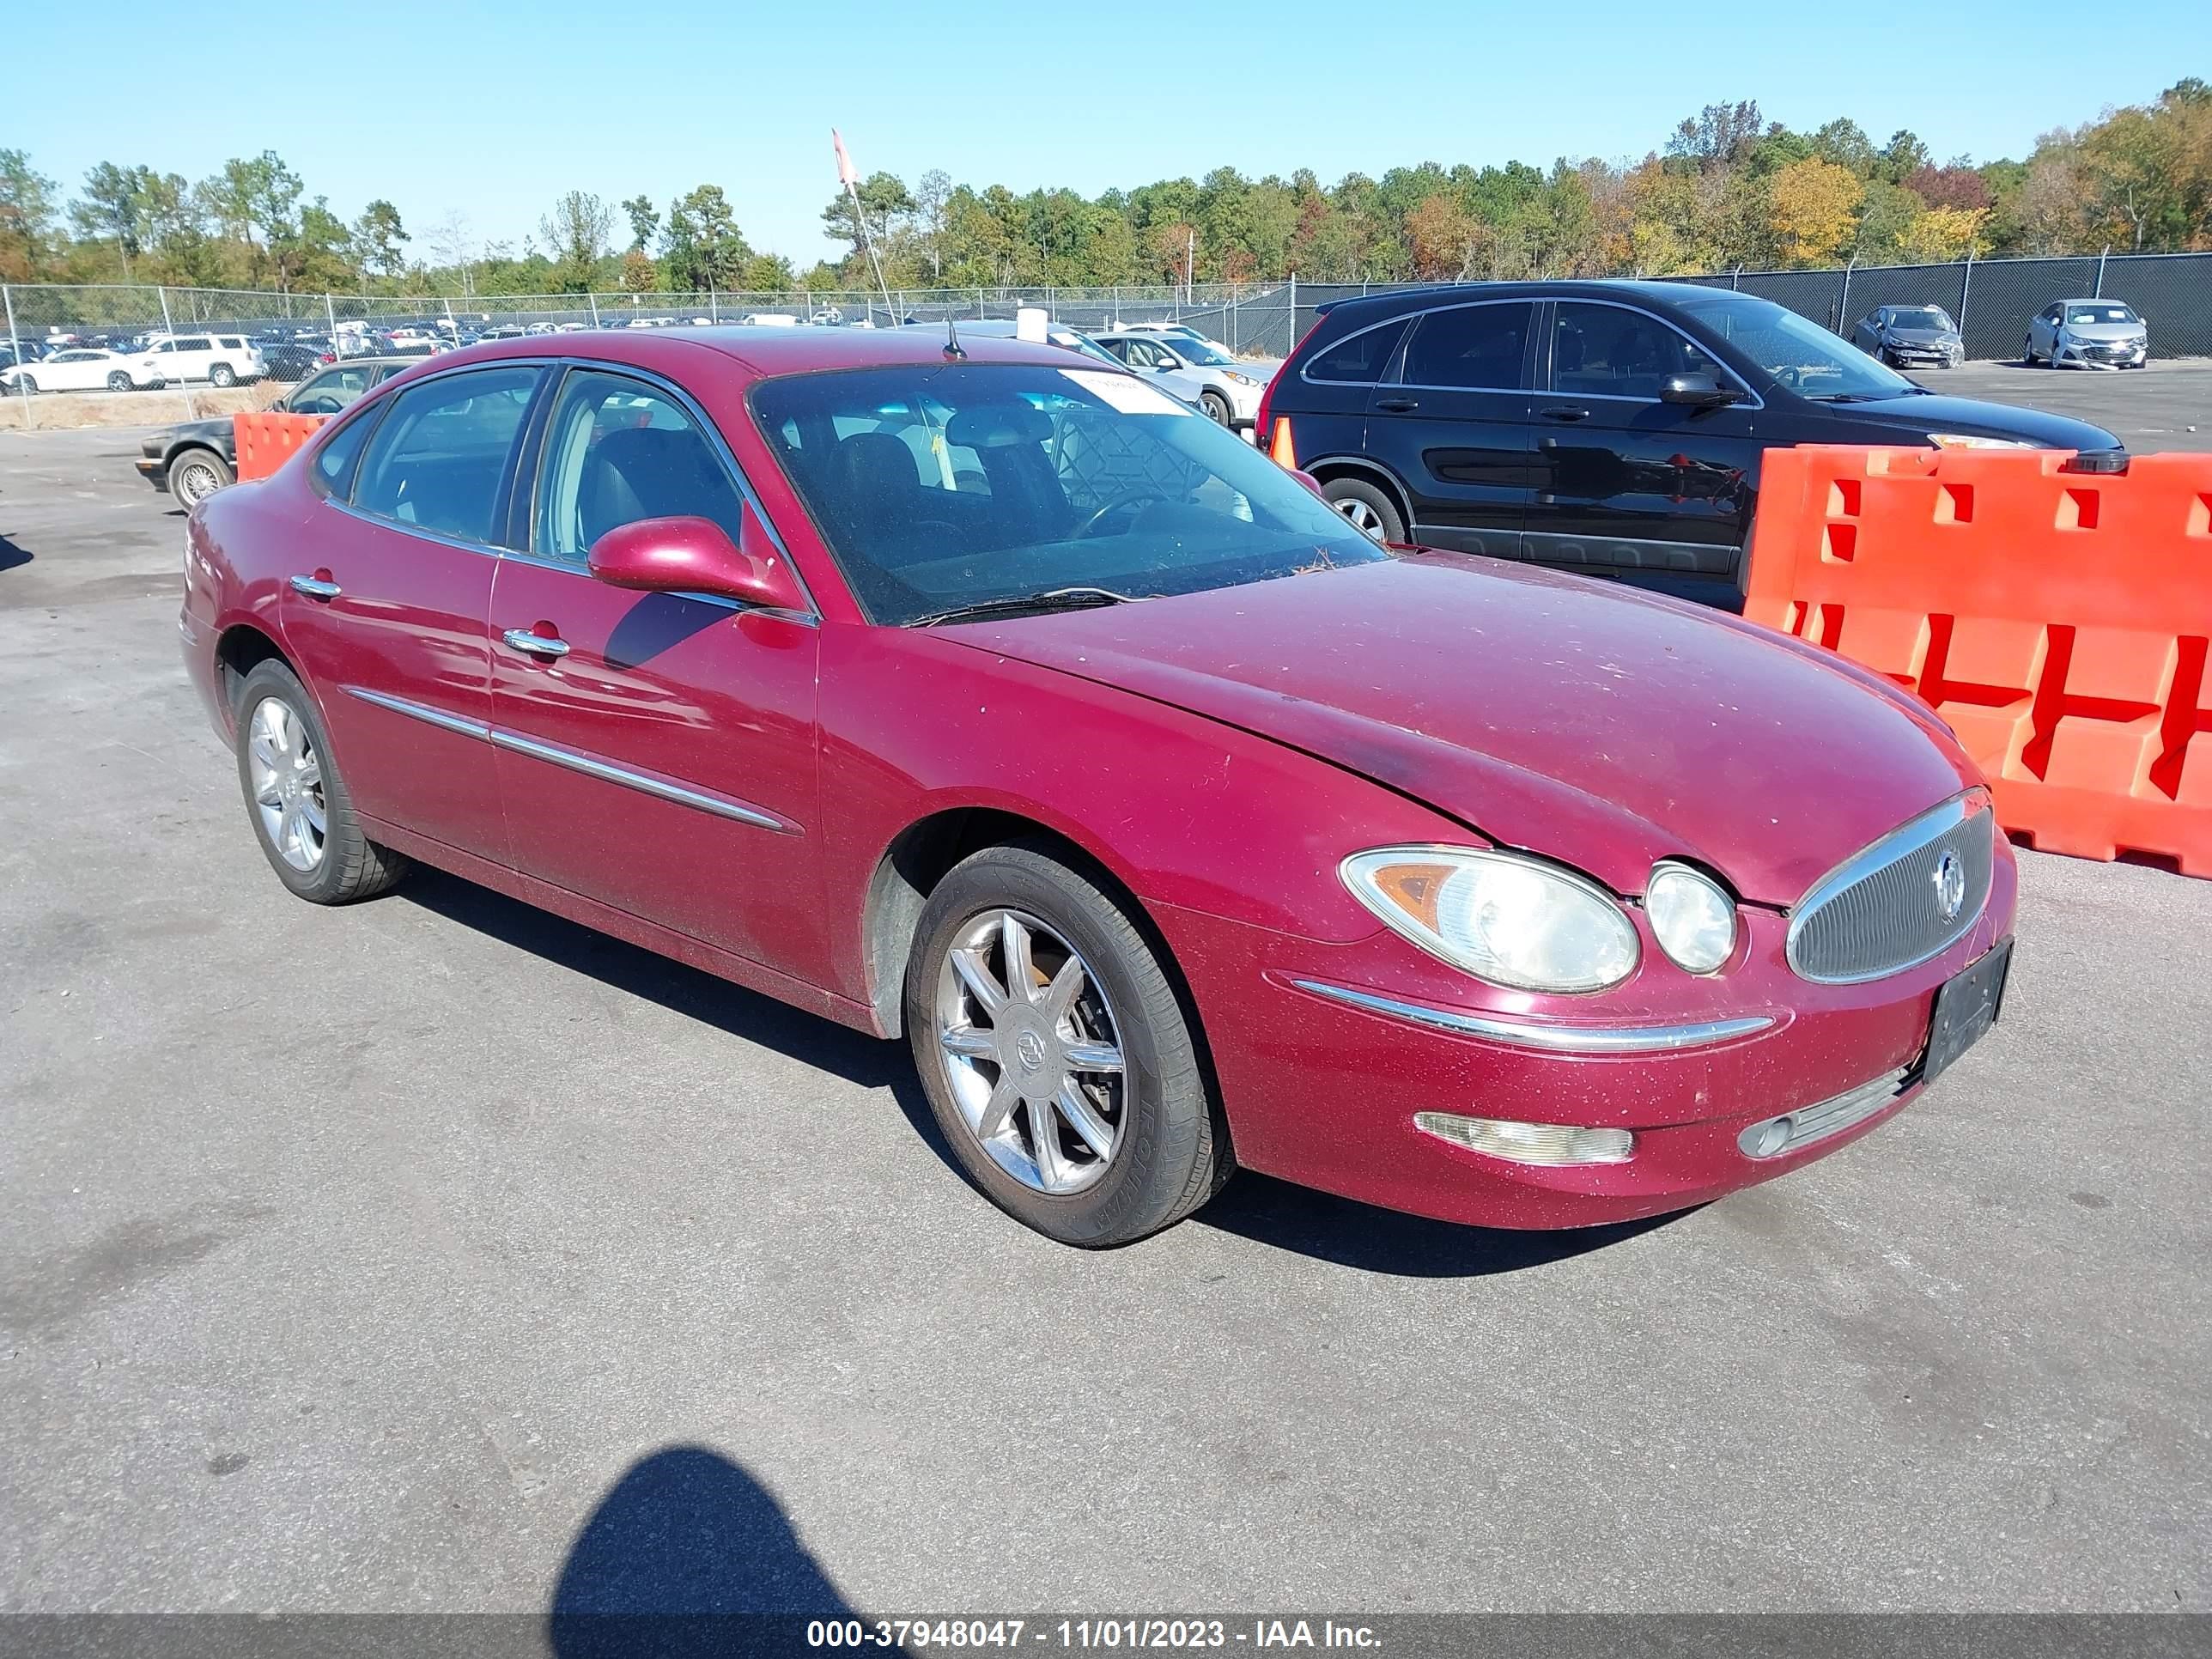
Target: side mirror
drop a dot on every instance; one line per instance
(1697, 391)
(694, 556)
(1312, 483)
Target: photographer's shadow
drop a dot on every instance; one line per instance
(681, 1548)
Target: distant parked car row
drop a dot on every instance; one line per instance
(220, 360)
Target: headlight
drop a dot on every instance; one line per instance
(1692, 917)
(1241, 379)
(1509, 920)
(1974, 441)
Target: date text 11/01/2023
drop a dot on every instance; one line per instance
(1087, 1634)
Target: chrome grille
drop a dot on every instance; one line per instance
(1832, 1116)
(1885, 909)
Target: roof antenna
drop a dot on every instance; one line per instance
(952, 346)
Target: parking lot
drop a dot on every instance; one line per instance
(436, 1253)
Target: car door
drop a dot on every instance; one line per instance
(656, 751)
(1655, 492)
(2042, 330)
(71, 371)
(1452, 424)
(389, 604)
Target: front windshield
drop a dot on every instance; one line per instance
(1801, 355)
(940, 486)
(2086, 316)
(1919, 317)
(1198, 351)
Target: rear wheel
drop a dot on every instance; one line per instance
(1367, 506)
(222, 376)
(1216, 407)
(197, 474)
(119, 381)
(1056, 1054)
(302, 815)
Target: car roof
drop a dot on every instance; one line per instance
(762, 351)
(1600, 287)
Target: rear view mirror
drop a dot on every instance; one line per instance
(1698, 391)
(694, 556)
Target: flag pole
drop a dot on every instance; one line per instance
(851, 180)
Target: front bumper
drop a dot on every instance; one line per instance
(1323, 1091)
(2092, 356)
(155, 469)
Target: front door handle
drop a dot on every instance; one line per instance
(1398, 405)
(316, 587)
(535, 645)
(1564, 412)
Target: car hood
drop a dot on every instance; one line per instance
(2112, 331)
(204, 431)
(1594, 724)
(1923, 413)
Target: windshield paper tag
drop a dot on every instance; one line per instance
(1123, 393)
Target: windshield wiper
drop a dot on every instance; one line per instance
(1864, 397)
(1079, 598)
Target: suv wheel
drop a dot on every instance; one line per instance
(1216, 407)
(1370, 510)
(222, 376)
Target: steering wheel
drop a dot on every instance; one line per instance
(1090, 526)
(1790, 374)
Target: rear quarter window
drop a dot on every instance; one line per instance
(1358, 359)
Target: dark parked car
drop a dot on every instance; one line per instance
(1004, 704)
(194, 458)
(1614, 429)
(288, 360)
(1909, 337)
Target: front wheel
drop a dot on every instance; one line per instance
(1056, 1056)
(196, 475)
(25, 383)
(1216, 408)
(302, 815)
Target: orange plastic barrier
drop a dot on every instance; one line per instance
(2057, 620)
(265, 441)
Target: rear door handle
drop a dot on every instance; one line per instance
(316, 587)
(1398, 405)
(534, 644)
(1564, 412)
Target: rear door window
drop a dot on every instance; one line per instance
(439, 454)
(1476, 348)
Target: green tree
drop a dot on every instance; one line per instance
(26, 213)
(377, 238)
(644, 222)
(703, 248)
(111, 207)
(575, 236)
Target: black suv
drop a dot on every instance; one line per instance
(1609, 427)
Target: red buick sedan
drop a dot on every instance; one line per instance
(983, 695)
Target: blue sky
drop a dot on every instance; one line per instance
(491, 109)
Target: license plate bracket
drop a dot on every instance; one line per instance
(1966, 1005)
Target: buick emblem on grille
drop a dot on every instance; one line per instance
(1950, 884)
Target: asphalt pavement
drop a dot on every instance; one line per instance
(436, 1253)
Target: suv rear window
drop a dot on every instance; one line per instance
(1358, 359)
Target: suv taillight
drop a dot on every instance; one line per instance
(1263, 424)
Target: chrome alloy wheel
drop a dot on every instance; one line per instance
(1032, 1052)
(288, 784)
(1363, 518)
(193, 482)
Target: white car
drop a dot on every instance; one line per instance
(220, 360)
(1198, 372)
(82, 368)
(2088, 334)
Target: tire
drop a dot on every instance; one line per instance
(1368, 506)
(119, 381)
(25, 383)
(222, 376)
(1168, 1150)
(195, 474)
(345, 866)
(1216, 408)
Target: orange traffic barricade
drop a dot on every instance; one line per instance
(2057, 620)
(265, 439)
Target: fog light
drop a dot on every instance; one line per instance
(1764, 1139)
(1550, 1143)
